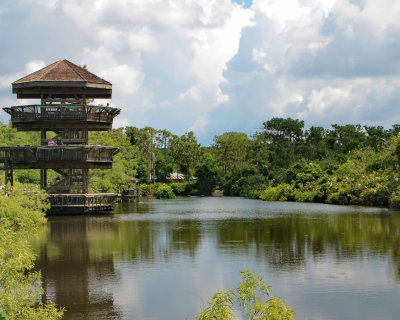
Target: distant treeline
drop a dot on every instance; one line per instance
(345, 164)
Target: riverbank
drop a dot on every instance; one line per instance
(21, 216)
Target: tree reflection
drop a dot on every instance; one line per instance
(70, 268)
(286, 241)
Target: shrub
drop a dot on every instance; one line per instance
(178, 188)
(148, 190)
(21, 214)
(394, 200)
(254, 194)
(164, 191)
(253, 297)
(282, 192)
(305, 195)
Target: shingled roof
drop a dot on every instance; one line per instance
(62, 79)
(62, 70)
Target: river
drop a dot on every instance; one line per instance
(163, 259)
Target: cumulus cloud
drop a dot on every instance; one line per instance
(30, 66)
(214, 66)
(322, 61)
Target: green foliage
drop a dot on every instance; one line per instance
(179, 188)
(206, 180)
(3, 315)
(164, 191)
(231, 151)
(245, 182)
(186, 151)
(28, 176)
(21, 213)
(124, 163)
(282, 192)
(346, 164)
(285, 136)
(148, 190)
(219, 308)
(157, 190)
(255, 299)
(394, 199)
(11, 137)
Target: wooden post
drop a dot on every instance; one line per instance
(9, 173)
(43, 178)
(43, 137)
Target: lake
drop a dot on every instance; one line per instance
(163, 259)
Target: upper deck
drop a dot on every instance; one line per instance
(62, 116)
(61, 157)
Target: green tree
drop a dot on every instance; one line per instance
(285, 136)
(11, 137)
(255, 299)
(259, 153)
(186, 151)
(343, 139)
(124, 163)
(314, 143)
(231, 150)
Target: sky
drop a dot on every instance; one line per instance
(215, 66)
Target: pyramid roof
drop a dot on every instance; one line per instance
(62, 78)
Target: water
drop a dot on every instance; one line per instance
(163, 259)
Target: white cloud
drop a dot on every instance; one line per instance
(31, 66)
(213, 47)
(126, 79)
(120, 122)
(199, 63)
(142, 39)
(258, 55)
(281, 12)
(193, 93)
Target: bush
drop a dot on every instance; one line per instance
(394, 200)
(282, 192)
(21, 214)
(305, 195)
(254, 194)
(164, 191)
(28, 176)
(148, 190)
(253, 297)
(178, 188)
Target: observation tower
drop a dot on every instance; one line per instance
(63, 89)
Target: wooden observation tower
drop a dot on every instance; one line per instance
(63, 89)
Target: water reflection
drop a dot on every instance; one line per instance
(121, 267)
(72, 265)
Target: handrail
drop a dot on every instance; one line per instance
(82, 199)
(62, 112)
(29, 154)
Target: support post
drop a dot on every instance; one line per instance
(9, 173)
(43, 178)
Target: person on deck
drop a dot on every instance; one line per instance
(51, 142)
(59, 141)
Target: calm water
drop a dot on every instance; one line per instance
(164, 259)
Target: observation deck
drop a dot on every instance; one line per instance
(64, 90)
(67, 116)
(58, 157)
(78, 204)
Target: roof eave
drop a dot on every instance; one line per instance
(60, 84)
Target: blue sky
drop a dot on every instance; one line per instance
(213, 66)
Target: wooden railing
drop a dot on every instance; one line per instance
(62, 112)
(29, 154)
(87, 200)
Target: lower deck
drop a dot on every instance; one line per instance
(82, 204)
